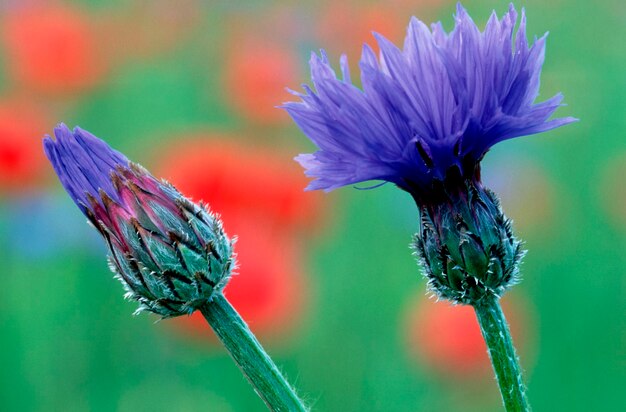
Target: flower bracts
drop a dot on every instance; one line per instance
(170, 254)
(466, 246)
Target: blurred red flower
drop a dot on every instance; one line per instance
(51, 48)
(259, 195)
(344, 27)
(256, 73)
(239, 178)
(447, 338)
(22, 126)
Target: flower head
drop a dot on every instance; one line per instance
(426, 116)
(427, 111)
(170, 254)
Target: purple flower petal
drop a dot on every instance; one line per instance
(438, 104)
(83, 163)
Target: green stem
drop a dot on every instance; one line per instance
(502, 353)
(248, 354)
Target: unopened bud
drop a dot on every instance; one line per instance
(466, 246)
(171, 254)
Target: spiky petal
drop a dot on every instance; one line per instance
(436, 105)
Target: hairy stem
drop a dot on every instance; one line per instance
(254, 362)
(505, 363)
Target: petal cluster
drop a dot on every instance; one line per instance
(170, 254)
(83, 163)
(431, 108)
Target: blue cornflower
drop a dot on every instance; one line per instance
(171, 254)
(427, 111)
(426, 116)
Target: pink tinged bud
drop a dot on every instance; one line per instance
(170, 254)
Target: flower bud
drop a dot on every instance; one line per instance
(170, 254)
(466, 246)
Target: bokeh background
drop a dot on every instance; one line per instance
(188, 88)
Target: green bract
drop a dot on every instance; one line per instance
(176, 271)
(466, 246)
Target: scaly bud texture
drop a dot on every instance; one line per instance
(466, 245)
(171, 255)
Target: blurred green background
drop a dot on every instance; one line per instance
(188, 89)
